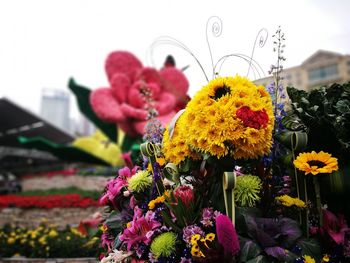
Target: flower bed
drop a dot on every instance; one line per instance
(46, 241)
(52, 201)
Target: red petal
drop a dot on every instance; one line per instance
(122, 62)
(105, 105)
(132, 112)
(175, 81)
(120, 85)
(166, 103)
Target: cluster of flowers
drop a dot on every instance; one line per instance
(162, 223)
(46, 241)
(178, 204)
(51, 201)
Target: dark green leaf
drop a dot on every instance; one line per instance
(249, 249)
(310, 247)
(82, 95)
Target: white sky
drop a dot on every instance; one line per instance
(43, 43)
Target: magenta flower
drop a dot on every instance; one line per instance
(115, 185)
(107, 241)
(185, 193)
(140, 229)
(227, 235)
(335, 226)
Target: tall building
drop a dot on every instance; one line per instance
(321, 68)
(55, 108)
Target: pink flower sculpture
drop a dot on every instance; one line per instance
(122, 102)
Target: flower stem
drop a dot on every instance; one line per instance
(318, 199)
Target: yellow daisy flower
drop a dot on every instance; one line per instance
(289, 201)
(316, 163)
(308, 259)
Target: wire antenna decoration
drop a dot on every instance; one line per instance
(214, 27)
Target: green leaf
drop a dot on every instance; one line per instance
(82, 95)
(310, 247)
(343, 106)
(131, 143)
(249, 250)
(114, 221)
(259, 259)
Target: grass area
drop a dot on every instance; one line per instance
(62, 191)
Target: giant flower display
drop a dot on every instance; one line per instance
(123, 102)
(229, 116)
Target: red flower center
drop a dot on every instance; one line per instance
(253, 119)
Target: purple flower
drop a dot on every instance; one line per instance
(207, 216)
(191, 230)
(185, 260)
(107, 241)
(140, 229)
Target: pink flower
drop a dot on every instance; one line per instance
(335, 226)
(115, 185)
(122, 102)
(227, 235)
(140, 230)
(185, 193)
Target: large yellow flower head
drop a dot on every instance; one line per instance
(229, 116)
(316, 163)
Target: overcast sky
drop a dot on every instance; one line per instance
(43, 43)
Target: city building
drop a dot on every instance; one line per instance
(321, 68)
(55, 108)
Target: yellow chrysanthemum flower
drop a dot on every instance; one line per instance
(308, 259)
(289, 201)
(229, 116)
(316, 163)
(152, 204)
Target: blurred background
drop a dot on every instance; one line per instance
(48, 183)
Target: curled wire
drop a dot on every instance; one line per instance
(262, 35)
(215, 24)
(167, 40)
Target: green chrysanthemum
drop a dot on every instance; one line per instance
(247, 190)
(140, 181)
(164, 245)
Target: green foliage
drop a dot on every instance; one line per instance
(326, 112)
(62, 191)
